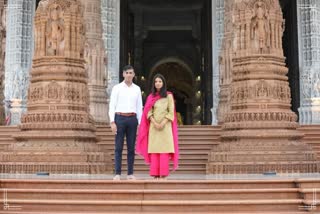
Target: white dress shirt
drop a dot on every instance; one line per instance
(125, 99)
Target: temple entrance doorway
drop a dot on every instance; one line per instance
(180, 82)
(172, 38)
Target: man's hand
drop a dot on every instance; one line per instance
(113, 127)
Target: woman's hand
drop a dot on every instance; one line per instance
(163, 123)
(156, 125)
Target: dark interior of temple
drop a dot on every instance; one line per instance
(172, 38)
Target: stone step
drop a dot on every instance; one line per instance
(187, 161)
(192, 164)
(202, 158)
(155, 194)
(186, 139)
(181, 127)
(181, 144)
(198, 139)
(184, 163)
(312, 137)
(310, 194)
(182, 151)
(268, 196)
(199, 132)
(306, 183)
(156, 205)
(182, 169)
(8, 128)
(103, 184)
(163, 212)
(6, 139)
(181, 130)
(175, 212)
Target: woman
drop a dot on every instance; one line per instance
(158, 135)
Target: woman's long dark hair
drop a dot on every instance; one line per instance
(163, 90)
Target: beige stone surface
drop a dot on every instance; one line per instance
(2, 57)
(95, 57)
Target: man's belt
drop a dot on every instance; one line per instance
(130, 114)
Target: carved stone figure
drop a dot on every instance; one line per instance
(260, 27)
(55, 30)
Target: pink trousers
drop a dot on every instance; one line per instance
(159, 164)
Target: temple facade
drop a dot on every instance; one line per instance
(193, 51)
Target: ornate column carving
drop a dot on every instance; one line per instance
(57, 132)
(259, 131)
(309, 60)
(111, 31)
(19, 49)
(95, 57)
(225, 63)
(2, 57)
(218, 7)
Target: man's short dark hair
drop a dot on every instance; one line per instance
(127, 67)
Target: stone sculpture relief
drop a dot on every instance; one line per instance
(55, 30)
(95, 57)
(260, 27)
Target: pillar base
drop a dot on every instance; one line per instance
(17, 109)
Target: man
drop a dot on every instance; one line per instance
(125, 112)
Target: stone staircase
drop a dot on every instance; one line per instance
(195, 144)
(47, 196)
(310, 191)
(312, 137)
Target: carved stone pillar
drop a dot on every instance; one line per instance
(224, 63)
(19, 51)
(309, 60)
(57, 132)
(217, 36)
(95, 57)
(111, 31)
(259, 132)
(2, 58)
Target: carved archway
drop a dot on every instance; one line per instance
(179, 81)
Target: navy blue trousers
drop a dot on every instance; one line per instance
(126, 127)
